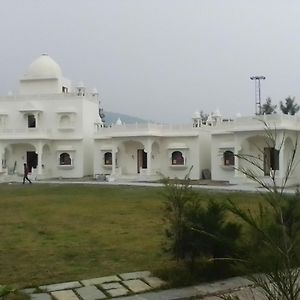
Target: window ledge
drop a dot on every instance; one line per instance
(65, 167)
(178, 166)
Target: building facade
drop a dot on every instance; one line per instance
(56, 129)
(150, 151)
(263, 146)
(49, 125)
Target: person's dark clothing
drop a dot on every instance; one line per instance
(25, 176)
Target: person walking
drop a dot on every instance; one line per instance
(25, 176)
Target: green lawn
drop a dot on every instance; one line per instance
(56, 233)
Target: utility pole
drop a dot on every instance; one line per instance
(257, 80)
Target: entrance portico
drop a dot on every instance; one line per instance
(13, 155)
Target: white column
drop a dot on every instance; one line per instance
(2, 153)
(282, 162)
(36, 116)
(39, 153)
(113, 168)
(237, 149)
(148, 150)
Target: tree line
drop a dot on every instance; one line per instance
(289, 107)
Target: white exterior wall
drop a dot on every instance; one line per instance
(50, 131)
(159, 142)
(40, 87)
(247, 136)
(76, 154)
(90, 117)
(204, 154)
(190, 154)
(64, 124)
(219, 144)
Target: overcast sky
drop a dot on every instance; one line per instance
(159, 59)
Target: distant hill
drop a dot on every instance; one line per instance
(112, 117)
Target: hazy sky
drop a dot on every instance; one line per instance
(159, 59)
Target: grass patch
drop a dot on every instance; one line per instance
(56, 233)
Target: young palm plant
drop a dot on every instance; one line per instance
(272, 254)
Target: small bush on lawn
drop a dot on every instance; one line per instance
(198, 231)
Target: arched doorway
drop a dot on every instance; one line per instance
(133, 158)
(258, 156)
(19, 153)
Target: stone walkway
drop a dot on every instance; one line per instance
(140, 286)
(98, 288)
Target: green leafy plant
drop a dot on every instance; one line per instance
(5, 290)
(197, 229)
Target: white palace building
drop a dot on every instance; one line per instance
(56, 129)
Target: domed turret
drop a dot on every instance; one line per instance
(217, 113)
(196, 119)
(216, 117)
(44, 76)
(196, 114)
(44, 67)
(119, 122)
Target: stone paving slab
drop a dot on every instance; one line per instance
(243, 294)
(140, 282)
(112, 285)
(172, 294)
(90, 293)
(118, 292)
(60, 286)
(65, 295)
(100, 280)
(134, 297)
(136, 285)
(154, 282)
(222, 285)
(135, 275)
(40, 296)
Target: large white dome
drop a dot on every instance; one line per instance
(44, 67)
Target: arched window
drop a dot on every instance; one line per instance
(228, 157)
(65, 159)
(108, 158)
(177, 158)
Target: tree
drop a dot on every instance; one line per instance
(197, 228)
(268, 108)
(102, 114)
(204, 116)
(177, 196)
(290, 107)
(272, 251)
(273, 248)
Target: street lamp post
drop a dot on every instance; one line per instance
(257, 80)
